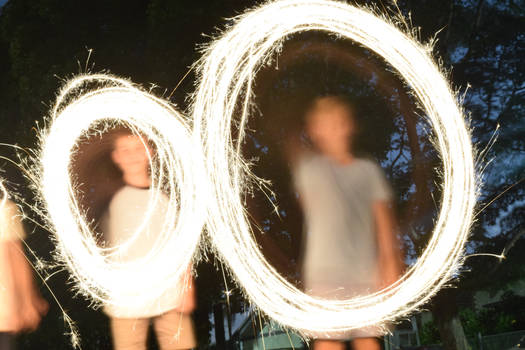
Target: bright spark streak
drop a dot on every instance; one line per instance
(177, 170)
(227, 72)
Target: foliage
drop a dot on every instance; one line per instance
(429, 334)
(471, 322)
(505, 315)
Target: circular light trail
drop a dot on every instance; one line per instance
(227, 71)
(177, 170)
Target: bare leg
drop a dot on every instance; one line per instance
(365, 344)
(175, 331)
(328, 345)
(129, 333)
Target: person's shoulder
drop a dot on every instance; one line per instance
(128, 195)
(304, 159)
(312, 163)
(367, 162)
(124, 195)
(311, 157)
(370, 165)
(376, 180)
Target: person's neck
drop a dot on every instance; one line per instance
(340, 156)
(137, 180)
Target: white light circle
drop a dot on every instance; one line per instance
(226, 73)
(177, 171)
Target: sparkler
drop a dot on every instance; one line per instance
(227, 72)
(177, 171)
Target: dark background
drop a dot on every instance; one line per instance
(480, 43)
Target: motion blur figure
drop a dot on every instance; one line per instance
(170, 313)
(21, 306)
(351, 248)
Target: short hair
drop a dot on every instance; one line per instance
(322, 103)
(124, 130)
(117, 132)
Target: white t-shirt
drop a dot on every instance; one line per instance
(341, 253)
(124, 216)
(11, 229)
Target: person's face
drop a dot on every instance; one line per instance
(330, 129)
(130, 155)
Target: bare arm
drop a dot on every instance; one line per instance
(390, 257)
(189, 300)
(294, 148)
(30, 304)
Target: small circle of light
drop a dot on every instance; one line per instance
(176, 171)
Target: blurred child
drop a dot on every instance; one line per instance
(170, 314)
(21, 306)
(351, 248)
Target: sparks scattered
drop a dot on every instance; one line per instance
(227, 71)
(176, 171)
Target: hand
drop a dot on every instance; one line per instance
(389, 273)
(30, 313)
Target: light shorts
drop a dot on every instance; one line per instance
(327, 291)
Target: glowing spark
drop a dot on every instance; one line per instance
(176, 171)
(499, 257)
(226, 75)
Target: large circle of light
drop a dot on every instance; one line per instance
(227, 72)
(176, 171)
